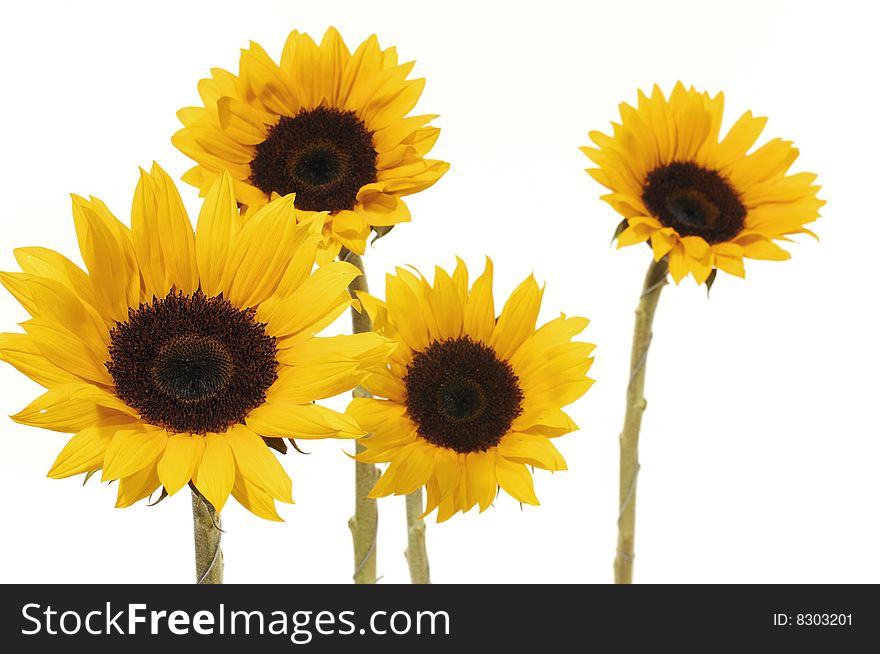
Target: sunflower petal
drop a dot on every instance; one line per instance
(317, 297)
(254, 498)
(219, 224)
(130, 450)
(137, 486)
(215, 474)
(516, 480)
(182, 455)
(84, 452)
(532, 450)
(257, 464)
(302, 421)
(517, 320)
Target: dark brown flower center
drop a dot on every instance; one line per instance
(461, 396)
(695, 201)
(323, 155)
(190, 363)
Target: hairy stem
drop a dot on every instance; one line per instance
(655, 280)
(364, 524)
(206, 534)
(416, 552)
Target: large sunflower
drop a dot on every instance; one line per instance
(179, 356)
(703, 202)
(325, 124)
(471, 400)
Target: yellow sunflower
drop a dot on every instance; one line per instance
(326, 124)
(471, 400)
(704, 202)
(180, 355)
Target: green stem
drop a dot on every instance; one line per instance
(364, 524)
(416, 552)
(655, 280)
(206, 534)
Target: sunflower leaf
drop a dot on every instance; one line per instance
(276, 444)
(296, 447)
(620, 229)
(710, 280)
(380, 232)
(161, 497)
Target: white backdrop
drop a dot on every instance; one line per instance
(759, 447)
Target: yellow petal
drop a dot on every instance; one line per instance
(479, 312)
(107, 250)
(242, 123)
(760, 248)
(516, 480)
(533, 354)
(447, 471)
(56, 303)
(517, 320)
(371, 413)
(323, 367)
(547, 421)
(43, 262)
(218, 226)
(481, 482)
(662, 241)
(267, 81)
(318, 296)
(130, 450)
(137, 486)
(305, 251)
(447, 305)
(84, 452)
(635, 234)
(16, 284)
(67, 350)
(383, 384)
(678, 265)
(411, 469)
(59, 410)
(405, 312)
(532, 450)
(215, 473)
(182, 455)
(254, 498)
(262, 252)
(302, 421)
(19, 351)
(163, 236)
(733, 265)
(257, 463)
(740, 138)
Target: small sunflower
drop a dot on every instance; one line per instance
(180, 357)
(326, 124)
(703, 202)
(471, 400)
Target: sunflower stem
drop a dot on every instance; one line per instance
(206, 534)
(655, 280)
(364, 524)
(416, 553)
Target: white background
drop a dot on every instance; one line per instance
(759, 446)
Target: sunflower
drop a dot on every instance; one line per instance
(325, 124)
(703, 202)
(180, 357)
(471, 400)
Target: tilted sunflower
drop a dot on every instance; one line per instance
(180, 357)
(471, 400)
(326, 124)
(704, 202)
